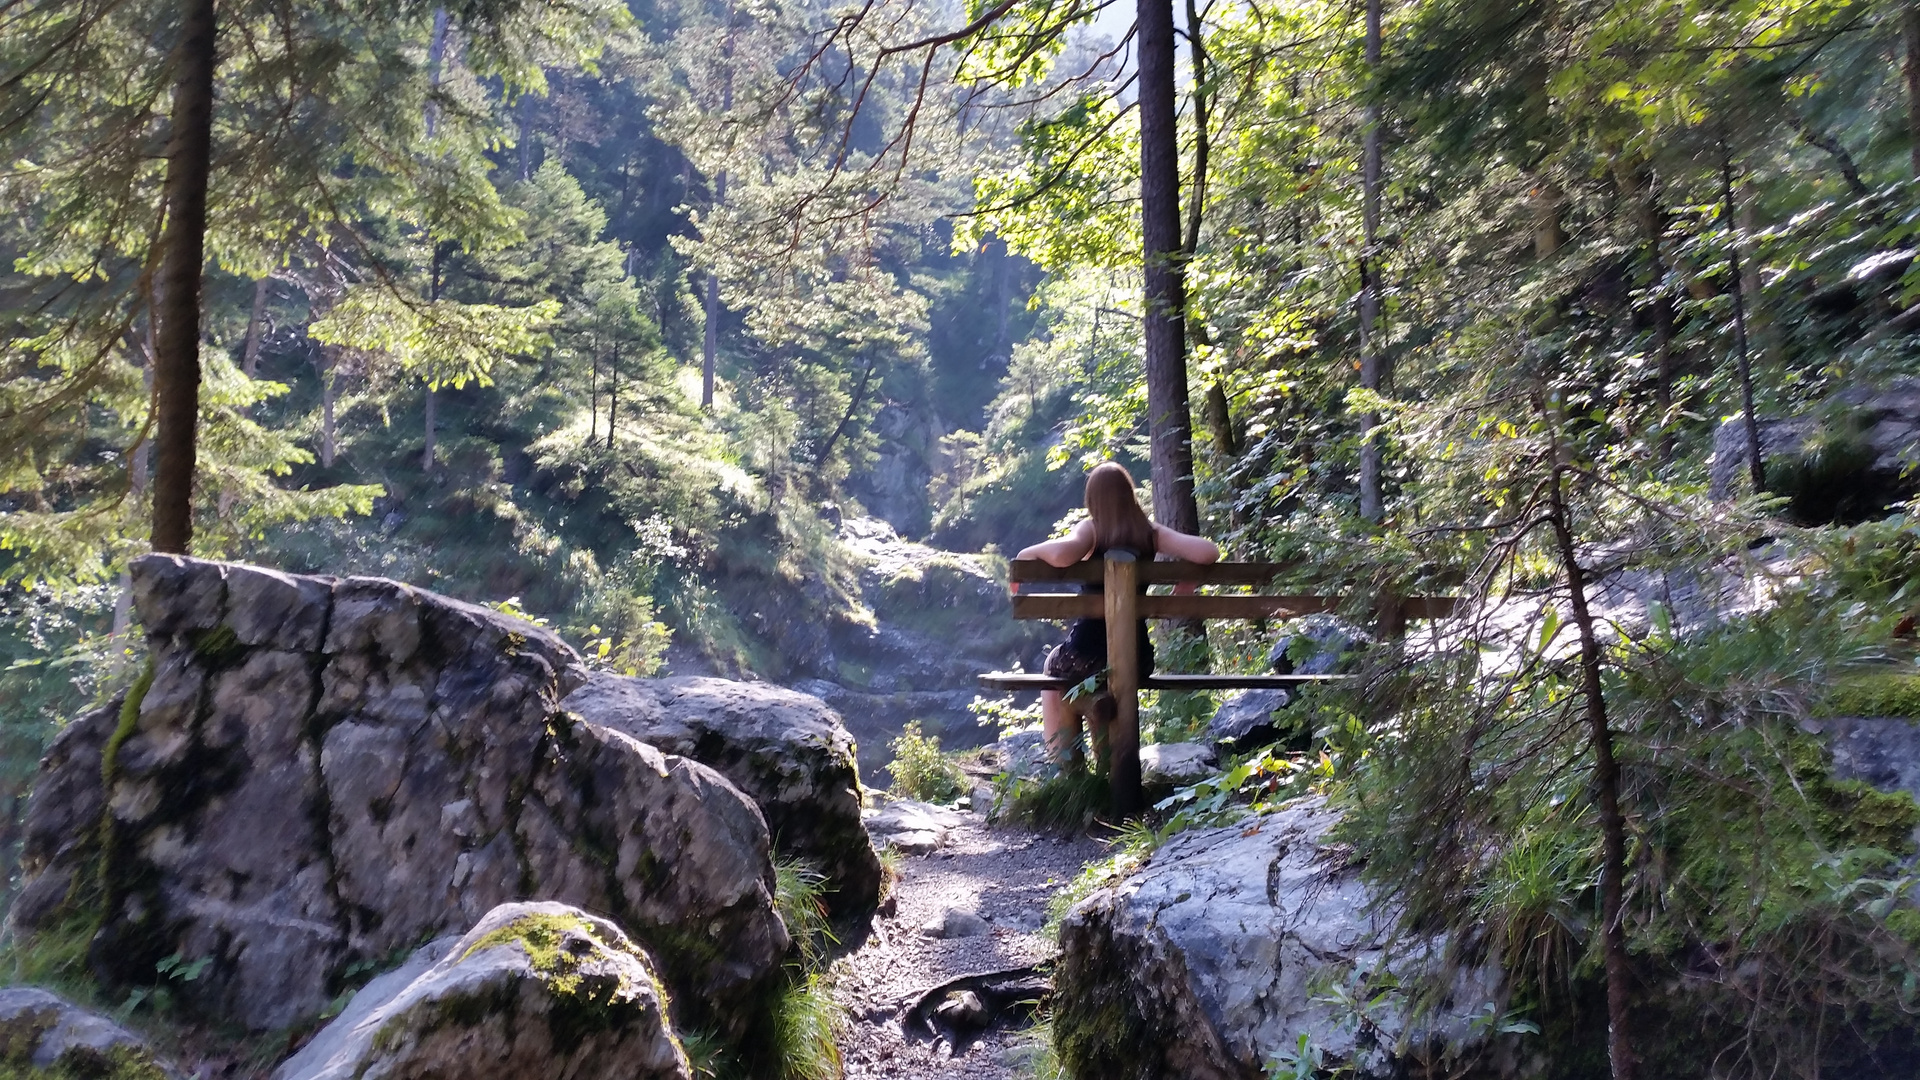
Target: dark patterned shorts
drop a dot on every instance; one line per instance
(1084, 653)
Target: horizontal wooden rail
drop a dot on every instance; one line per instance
(1093, 606)
(1152, 573)
(1021, 680)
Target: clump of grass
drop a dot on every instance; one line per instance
(799, 896)
(1875, 693)
(892, 863)
(807, 1023)
(706, 1054)
(1063, 799)
(1033, 1056)
(920, 771)
(1130, 847)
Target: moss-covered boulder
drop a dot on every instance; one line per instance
(319, 774)
(1224, 954)
(44, 1036)
(786, 751)
(534, 990)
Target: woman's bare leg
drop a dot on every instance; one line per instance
(1060, 728)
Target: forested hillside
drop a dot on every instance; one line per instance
(1602, 318)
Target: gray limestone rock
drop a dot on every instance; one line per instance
(1246, 715)
(1317, 645)
(912, 827)
(1175, 764)
(1846, 459)
(42, 1034)
(786, 751)
(955, 923)
(320, 773)
(1211, 960)
(533, 990)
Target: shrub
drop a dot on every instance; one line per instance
(921, 771)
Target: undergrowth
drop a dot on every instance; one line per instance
(920, 771)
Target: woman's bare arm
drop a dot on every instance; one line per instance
(1065, 551)
(1179, 545)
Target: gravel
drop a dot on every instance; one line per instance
(1002, 875)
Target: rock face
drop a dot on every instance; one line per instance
(912, 827)
(1317, 645)
(321, 773)
(533, 990)
(1843, 464)
(787, 751)
(1214, 958)
(1248, 717)
(45, 1035)
(1175, 764)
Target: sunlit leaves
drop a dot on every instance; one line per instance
(443, 342)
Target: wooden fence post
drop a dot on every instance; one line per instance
(1123, 681)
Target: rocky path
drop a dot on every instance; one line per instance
(974, 904)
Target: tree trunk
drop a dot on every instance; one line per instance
(1756, 468)
(1910, 32)
(1372, 502)
(436, 53)
(328, 394)
(613, 393)
(1653, 224)
(1548, 237)
(256, 326)
(183, 244)
(1606, 787)
(593, 401)
(710, 348)
(1218, 414)
(431, 414)
(1169, 423)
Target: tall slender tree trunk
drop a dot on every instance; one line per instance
(593, 401)
(1606, 787)
(613, 393)
(1653, 225)
(710, 347)
(256, 327)
(327, 366)
(176, 371)
(1215, 407)
(1372, 502)
(1169, 422)
(1756, 468)
(430, 412)
(1910, 33)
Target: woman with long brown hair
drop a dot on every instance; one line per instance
(1114, 521)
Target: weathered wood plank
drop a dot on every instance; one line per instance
(1022, 680)
(1169, 572)
(1199, 606)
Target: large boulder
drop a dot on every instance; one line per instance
(44, 1035)
(787, 751)
(1215, 958)
(533, 990)
(1844, 460)
(317, 774)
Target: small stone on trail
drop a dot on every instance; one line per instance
(1175, 763)
(955, 923)
(963, 1010)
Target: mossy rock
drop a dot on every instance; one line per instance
(539, 989)
(1875, 693)
(44, 1037)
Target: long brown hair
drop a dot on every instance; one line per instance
(1118, 521)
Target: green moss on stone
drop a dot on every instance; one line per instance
(19, 1039)
(218, 647)
(129, 720)
(1877, 693)
(585, 1002)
